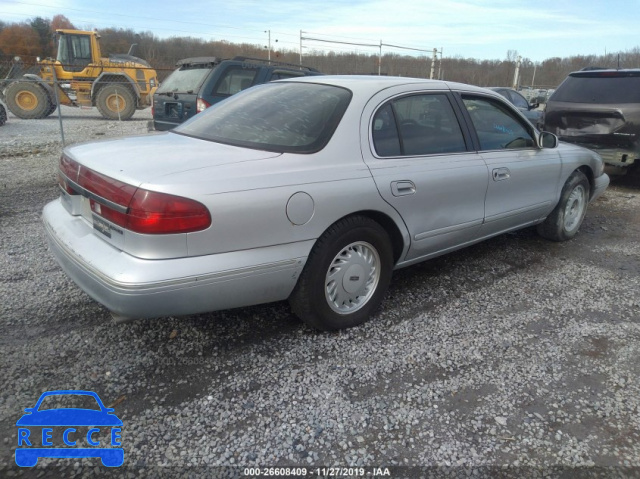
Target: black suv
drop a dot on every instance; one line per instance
(599, 109)
(198, 83)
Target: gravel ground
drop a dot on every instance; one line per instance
(517, 357)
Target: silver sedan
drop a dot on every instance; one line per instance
(312, 190)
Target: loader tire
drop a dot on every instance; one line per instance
(116, 102)
(27, 100)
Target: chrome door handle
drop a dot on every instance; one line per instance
(500, 174)
(402, 188)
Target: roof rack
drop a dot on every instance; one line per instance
(271, 62)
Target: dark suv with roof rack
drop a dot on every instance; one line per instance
(600, 110)
(200, 82)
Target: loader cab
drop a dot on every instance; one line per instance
(76, 50)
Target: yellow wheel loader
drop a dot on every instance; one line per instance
(117, 85)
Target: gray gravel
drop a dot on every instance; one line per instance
(516, 352)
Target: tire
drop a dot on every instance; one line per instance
(116, 102)
(346, 275)
(52, 108)
(3, 115)
(564, 221)
(27, 100)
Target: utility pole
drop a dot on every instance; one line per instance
(433, 63)
(300, 47)
(517, 73)
(269, 45)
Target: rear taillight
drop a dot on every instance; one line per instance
(136, 209)
(201, 105)
(151, 212)
(68, 171)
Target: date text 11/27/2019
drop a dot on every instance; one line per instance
(317, 472)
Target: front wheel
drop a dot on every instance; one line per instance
(116, 102)
(27, 100)
(564, 221)
(346, 275)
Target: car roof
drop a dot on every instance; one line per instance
(198, 61)
(610, 72)
(373, 83)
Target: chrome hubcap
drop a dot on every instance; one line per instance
(352, 277)
(575, 208)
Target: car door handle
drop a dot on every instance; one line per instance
(402, 188)
(500, 174)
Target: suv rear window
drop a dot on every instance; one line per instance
(282, 117)
(608, 87)
(186, 79)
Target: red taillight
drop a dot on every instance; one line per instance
(151, 212)
(136, 209)
(201, 105)
(68, 169)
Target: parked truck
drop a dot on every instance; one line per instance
(116, 85)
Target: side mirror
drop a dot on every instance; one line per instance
(548, 140)
(533, 106)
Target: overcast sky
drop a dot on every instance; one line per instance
(480, 29)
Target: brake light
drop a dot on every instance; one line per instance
(137, 209)
(68, 169)
(151, 212)
(201, 105)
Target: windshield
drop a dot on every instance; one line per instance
(186, 79)
(59, 401)
(281, 117)
(599, 89)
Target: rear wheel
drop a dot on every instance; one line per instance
(346, 275)
(564, 221)
(27, 100)
(116, 102)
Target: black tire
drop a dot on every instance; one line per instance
(116, 102)
(564, 221)
(356, 246)
(52, 107)
(27, 100)
(3, 115)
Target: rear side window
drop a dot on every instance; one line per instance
(234, 80)
(186, 79)
(599, 89)
(417, 125)
(282, 117)
(497, 127)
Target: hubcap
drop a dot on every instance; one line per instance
(352, 277)
(26, 100)
(575, 208)
(116, 103)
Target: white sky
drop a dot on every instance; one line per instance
(477, 29)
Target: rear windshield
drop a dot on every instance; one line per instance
(186, 79)
(281, 117)
(599, 89)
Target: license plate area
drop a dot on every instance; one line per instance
(173, 110)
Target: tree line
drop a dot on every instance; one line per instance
(35, 38)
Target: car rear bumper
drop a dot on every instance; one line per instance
(140, 288)
(164, 125)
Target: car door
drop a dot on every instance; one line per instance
(523, 177)
(419, 157)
